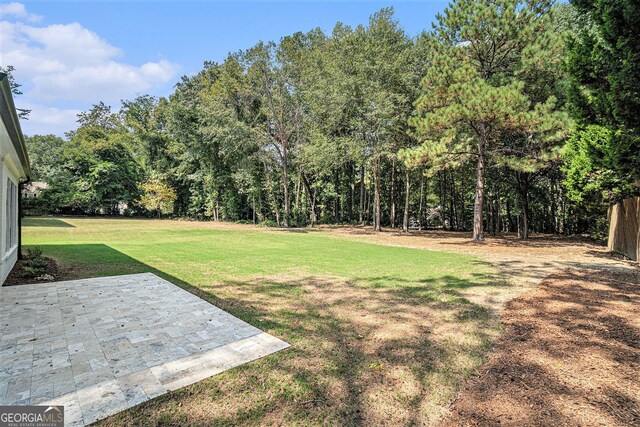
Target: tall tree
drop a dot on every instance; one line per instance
(273, 79)
(475, 101)
(45, 152)
(105, 174)
(381, 64)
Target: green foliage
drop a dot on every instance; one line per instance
(23, 113)
(45, 153)
(361, 125)
(106, 174)
(603, 63)
(482, 54)
(158, 196)
(481, 98)
(34, 252)
(35, 264)
(593, 156)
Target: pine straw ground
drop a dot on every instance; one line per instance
(570, 356)
(570, 351)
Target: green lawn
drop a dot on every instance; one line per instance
(377, 332)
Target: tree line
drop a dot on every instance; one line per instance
(506, 116)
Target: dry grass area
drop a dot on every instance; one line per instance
(570, 356)
(359, 356)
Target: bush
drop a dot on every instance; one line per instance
(35, 252)
(36, 264)
(39, 263)
(30, 272)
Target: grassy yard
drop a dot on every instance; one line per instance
(378, 334)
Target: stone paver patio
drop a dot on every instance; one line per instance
(99, 346)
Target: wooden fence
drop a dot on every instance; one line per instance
(624, 228)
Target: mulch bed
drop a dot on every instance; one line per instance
(570, 356)
(16, 277)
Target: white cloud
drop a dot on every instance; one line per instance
(45, 120)
(17, 10)
(69, 62)
(107, 82)
(69, 65)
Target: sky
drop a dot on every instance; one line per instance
(69, 55)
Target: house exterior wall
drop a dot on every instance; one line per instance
(10, 172)
(14, 169)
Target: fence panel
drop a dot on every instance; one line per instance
(624, 228)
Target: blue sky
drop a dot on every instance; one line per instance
(69, 54)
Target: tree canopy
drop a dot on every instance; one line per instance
(466, 126)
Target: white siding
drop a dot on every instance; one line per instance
(9, 222)
(8, 206)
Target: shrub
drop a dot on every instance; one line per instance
(35, 252)
(36, 264)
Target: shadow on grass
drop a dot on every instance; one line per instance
(45, 222)
(360, 354)
(81, 261)
(363, 355)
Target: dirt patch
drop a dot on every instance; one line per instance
(570, 356)
(51, 273)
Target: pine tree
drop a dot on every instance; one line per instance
(476, 103)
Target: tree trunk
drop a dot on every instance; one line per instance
(368, 206)
(352, 191)
(336, 200)
(420, 205)
(523, 192)
(312, 199)
(443, 200)
(296, 205)
(478, 232)
(454, 202)
(253, 206)
(285, 184)
(362, 195)
(492, 213)
(314, 216)
(496, 210)
(392, 212)
(559, 210)
(509, 216)
(376, 196)
(405, 220)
